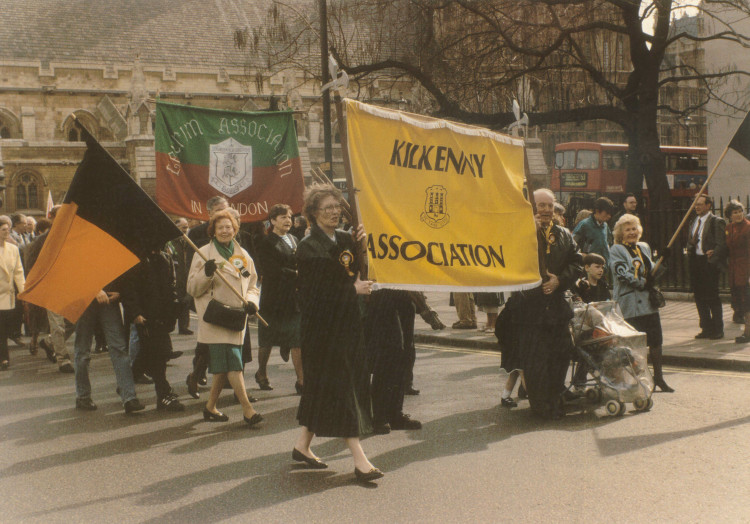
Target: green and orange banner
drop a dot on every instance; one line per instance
(251, 159)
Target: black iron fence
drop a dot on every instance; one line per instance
(658, 227)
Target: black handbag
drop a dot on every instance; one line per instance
(656, 298)
(228, 317)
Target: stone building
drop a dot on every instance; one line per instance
(732, 177)
(105, 62)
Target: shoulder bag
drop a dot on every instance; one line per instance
(222, 315)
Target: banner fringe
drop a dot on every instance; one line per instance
(426, 122)
(457, 289)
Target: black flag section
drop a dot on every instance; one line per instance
(741, 140)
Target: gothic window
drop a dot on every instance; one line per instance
(27, 192)
(620, 56)
(74, 135)
(4, 131)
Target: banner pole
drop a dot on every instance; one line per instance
(699, 194)
(222, 277)
(532, 201)
(354, 211)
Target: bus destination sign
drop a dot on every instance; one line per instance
(573, 179)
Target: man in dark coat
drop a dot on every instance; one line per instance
(181, 255)
(706, 249)
(543, 314)
(389, 334)
(150, 302)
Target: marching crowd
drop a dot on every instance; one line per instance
(353, 358)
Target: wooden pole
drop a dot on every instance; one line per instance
(354, 211)
(222, 277)
(699, 194)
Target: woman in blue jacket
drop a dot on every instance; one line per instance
(630, 263)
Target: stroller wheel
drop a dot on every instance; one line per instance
(643, 405)
(594, 395)
(614, 408)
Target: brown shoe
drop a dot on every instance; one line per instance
(465, 324)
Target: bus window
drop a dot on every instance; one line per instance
(587, 159)
(565, 159)
(614, 160)
(687, 162)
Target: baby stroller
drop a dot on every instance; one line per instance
(614, 354)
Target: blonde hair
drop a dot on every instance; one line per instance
(623, 221)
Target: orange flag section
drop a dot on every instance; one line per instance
(78, 259)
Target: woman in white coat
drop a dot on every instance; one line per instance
(11, 273)
(224, 255)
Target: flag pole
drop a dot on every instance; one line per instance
(699, 194)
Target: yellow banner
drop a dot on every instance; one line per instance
(442, 203)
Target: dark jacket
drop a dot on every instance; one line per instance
(277, 265)
(181, 254)
(713, 238)
(564, 261)
(589, 293)
(148, 289)
(738, 244)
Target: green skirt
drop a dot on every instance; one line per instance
(224, 358)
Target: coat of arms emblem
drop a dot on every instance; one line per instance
(231, 167)
(435, 212)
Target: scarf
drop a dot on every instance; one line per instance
(224, 251)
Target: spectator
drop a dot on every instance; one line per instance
(738, 245)
(12, 280)
(629, 206)
(706, 255)
(592, 234)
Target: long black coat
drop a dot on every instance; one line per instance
(336, 399)
(277, 265)
(541, 321)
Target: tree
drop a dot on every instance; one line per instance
(473, 56)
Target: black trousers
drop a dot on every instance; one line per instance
(183, 317)
(704, 279)
(390, 331)
(7, 318)
(155, 348)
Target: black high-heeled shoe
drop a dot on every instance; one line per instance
(214, 417)
(263, 383)
(663, 386)
(255, 419)
(312, 462)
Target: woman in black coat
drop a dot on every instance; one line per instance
(335, 400)
(279, 305)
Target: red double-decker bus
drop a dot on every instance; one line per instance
(584, 171)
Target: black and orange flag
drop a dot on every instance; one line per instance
(106, 224)
(741, 140)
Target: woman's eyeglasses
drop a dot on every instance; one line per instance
(330, 209)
